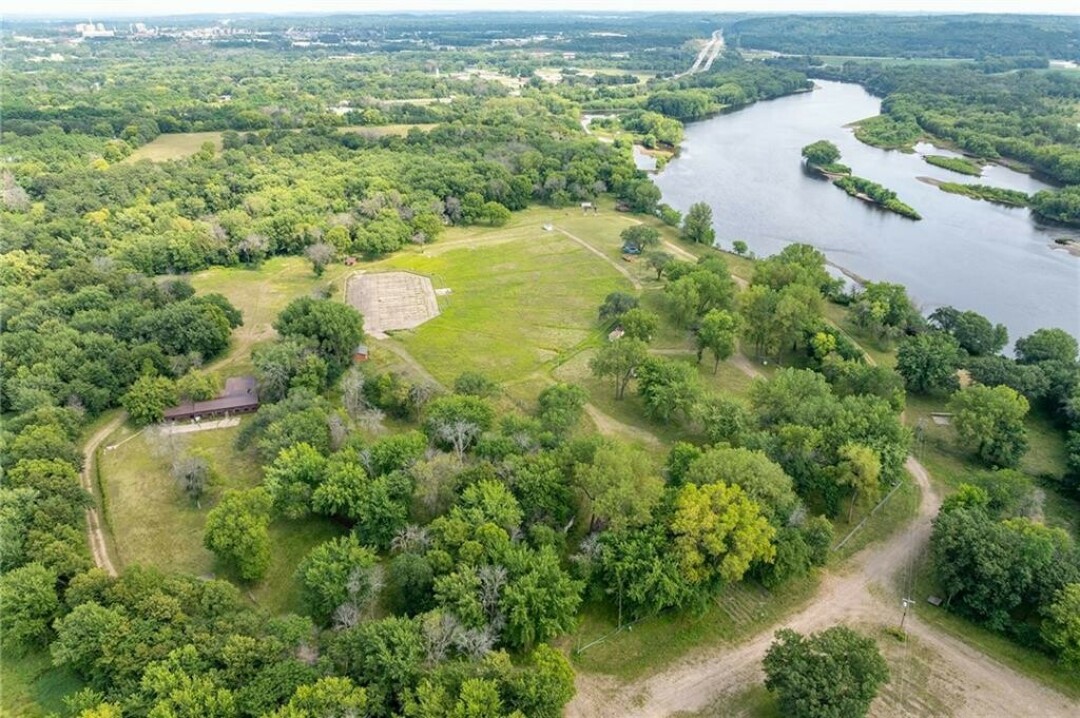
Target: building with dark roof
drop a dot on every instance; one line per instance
(241, 396)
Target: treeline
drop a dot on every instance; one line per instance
(987, 38)
(997, 195)
(862, 187)
(729, 83)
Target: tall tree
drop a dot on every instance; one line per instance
(719, 532)
(718, 332)
(618, 360)
(335, 328)
(929, 362)
(832, 674)
(236, 532)
(697, 224)
(990, 422)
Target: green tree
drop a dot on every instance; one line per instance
(329, 697)
(335, 328)
(718, 332)
(618, 360)
(669, 388)
(860, 469)
(560, 407)
(1061, 627)
(821, 153)
(28, 595)
(974, 332)
(474, 383)
(684, 299)
(990, 422)
(622, 484)
(1046, 345)
(639, 323)
(697, 225)
(752, 471)
(148, 398)
(337, 574)
(290, 480)
(719, 532)
(237, 532)
(540, 601)
(640, 236)
(616, 304)
(659, 261)
(458, 421)
(832, 674)
(929, 362)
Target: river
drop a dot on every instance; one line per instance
(965, 253)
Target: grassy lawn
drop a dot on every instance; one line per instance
(174, 146)
(501, 277)
(152, 523)
(31, 687)
(260, 294)
(739, 611)
(901, 507)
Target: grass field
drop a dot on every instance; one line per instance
(30, 687)
(177, 145)
(153, 523)
(739, 611)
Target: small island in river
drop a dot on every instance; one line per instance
(824, 157)
(997, 195)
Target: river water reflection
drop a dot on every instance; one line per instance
(967, 253)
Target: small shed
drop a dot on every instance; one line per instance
(622, 207)
(616, 333)
(350, 261)
(360, 354)
(587, 207)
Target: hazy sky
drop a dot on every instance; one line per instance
(102, 8)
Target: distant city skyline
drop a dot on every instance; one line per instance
(82, 9)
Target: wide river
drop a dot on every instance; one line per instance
(966, 253)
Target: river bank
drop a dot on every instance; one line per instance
(991, 258)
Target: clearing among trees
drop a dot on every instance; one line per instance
(392, 300)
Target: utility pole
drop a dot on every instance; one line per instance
(907, 602)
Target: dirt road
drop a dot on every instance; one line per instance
(866, 592)
(99, 549)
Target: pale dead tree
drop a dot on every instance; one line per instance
(420, 394)
(411, 539)
(492, 581)
(320, 255)
(476, 642)
(362, 587)
(14, 197)
(367, 460)
(338, 431)
(352, 393)
(459, 433)
(192, 473)
(346, 616)
(371, 421)
(252, 248)
(440, 632)
(588, 551)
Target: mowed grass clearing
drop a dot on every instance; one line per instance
(31, 687)
(152, 522)
(522, 298)
(177, 145)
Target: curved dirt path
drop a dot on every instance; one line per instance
(99, 549)
(610, 426)
(866, 592)
(615, 265)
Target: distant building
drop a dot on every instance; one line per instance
(240, 397)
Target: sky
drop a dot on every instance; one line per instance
(149, 8)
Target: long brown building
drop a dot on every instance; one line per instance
(241, 396)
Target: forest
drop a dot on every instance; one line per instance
(634, 427)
